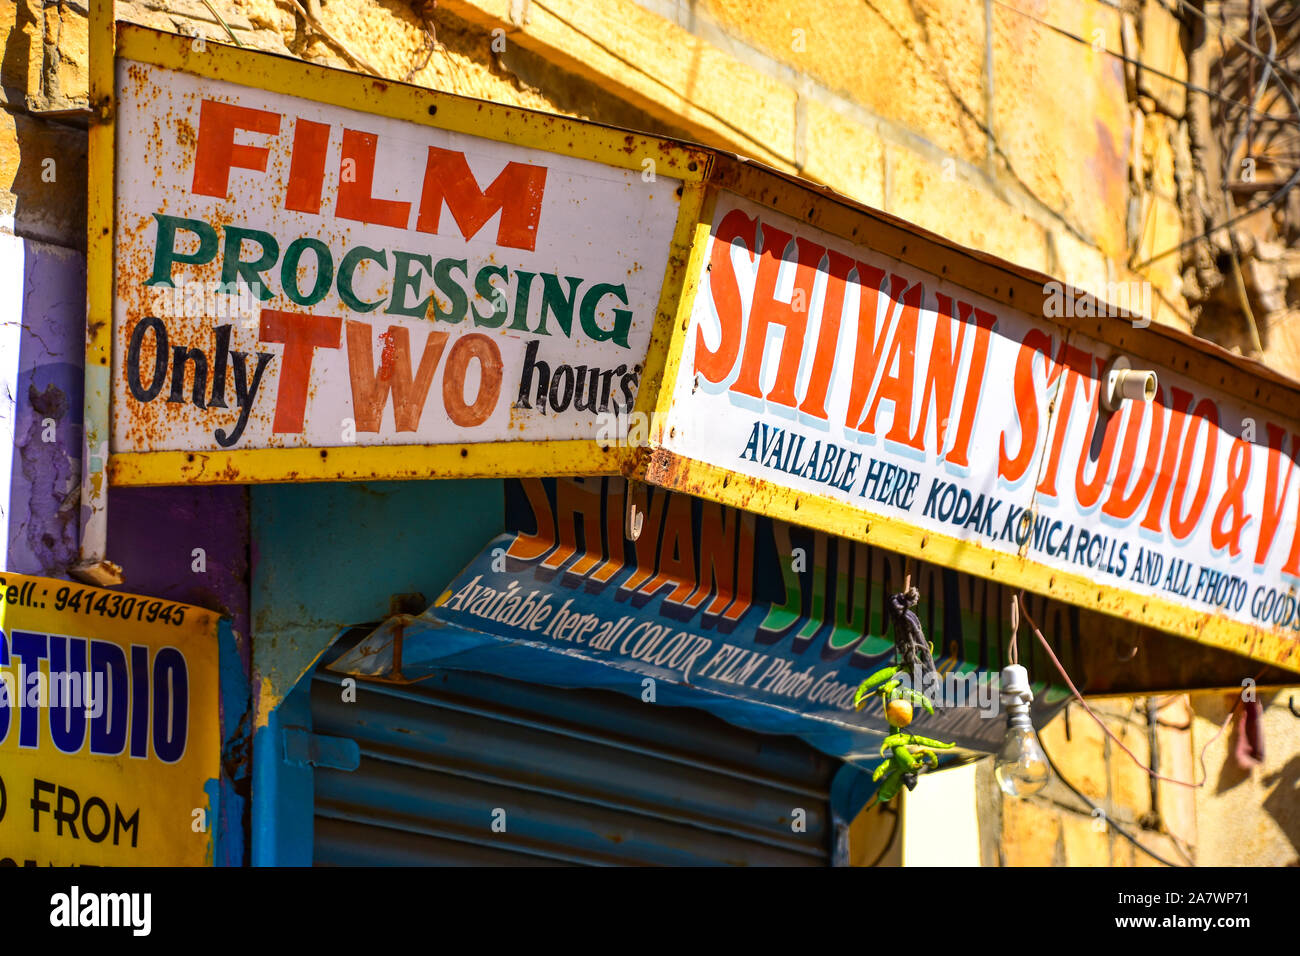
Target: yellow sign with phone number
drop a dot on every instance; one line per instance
(109, 738)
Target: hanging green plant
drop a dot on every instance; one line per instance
(908, 754)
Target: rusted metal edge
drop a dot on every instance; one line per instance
(995, 278)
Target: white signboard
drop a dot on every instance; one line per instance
(289, 273)
(821, 367)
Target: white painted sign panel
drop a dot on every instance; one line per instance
(289, 273)
(824, 368)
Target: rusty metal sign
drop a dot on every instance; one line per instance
(821, 381)
(110, 738)
(310, 269)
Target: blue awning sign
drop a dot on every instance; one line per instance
(767, 625)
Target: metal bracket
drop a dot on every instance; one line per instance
(305, 749)
(634, 516)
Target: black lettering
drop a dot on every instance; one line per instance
(181, 357)
(159, 361)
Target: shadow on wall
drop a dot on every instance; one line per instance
(18, 45)
(1283, 802)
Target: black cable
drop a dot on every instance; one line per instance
(1150, 69)
(893, 833)
(1250, 47)
(1109, 822)
(1276, 197)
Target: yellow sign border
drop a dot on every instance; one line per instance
(658, 466)
(279, 74)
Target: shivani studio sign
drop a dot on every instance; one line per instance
(879, 393)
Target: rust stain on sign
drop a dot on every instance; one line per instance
(301, 269)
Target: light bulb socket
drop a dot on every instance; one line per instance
(1018, 718)
(1015, 691)
(1121, 382)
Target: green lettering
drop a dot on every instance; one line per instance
(555, 302)
(233, 266)
(348, 266)
(459, 307)
(163, 260)
(523, 286)
(622, 317)
(403, 280)
(289, 271)
(484, 287)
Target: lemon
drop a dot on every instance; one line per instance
(899, 713)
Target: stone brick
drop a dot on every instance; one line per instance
(844, 154)
(1030, 833)
(67, 55)
(1121, 851)
(276, 15)
(23, 31)
(1076, 262)
(1130, 785)
(917, 63)
(1282, 343)
(51, 211)
(137, 13)
(1081, 759)
(267, 40)
(1162, 49)
(1158, 154)
(1085, 845)
(1178, 760)
(947, 202)
(1161, 229)
(1157, 843)
(198, 11)
(1248, 818)
(1065, 141)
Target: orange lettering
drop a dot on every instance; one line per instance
(370, 390)
(217, 152)
(516, 193)
(301, 335)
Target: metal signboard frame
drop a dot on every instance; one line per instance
(1219, 372)
(705, 175)
(521, 128)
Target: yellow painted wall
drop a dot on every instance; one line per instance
(1250, 817)
(1057, 827)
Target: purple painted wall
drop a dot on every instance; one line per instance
(42, 308)
(185, 543)
(153, 532)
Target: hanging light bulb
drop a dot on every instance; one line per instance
(1021, 766)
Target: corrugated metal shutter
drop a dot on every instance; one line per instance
(583, 777)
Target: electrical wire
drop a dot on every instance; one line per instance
(1013, 651)
(1248, 108)
(222, 20)
(1231, 221)
(1273, 117)
(1109, 822)
(1240, 39)
(1271, 200)
(1102, 724)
